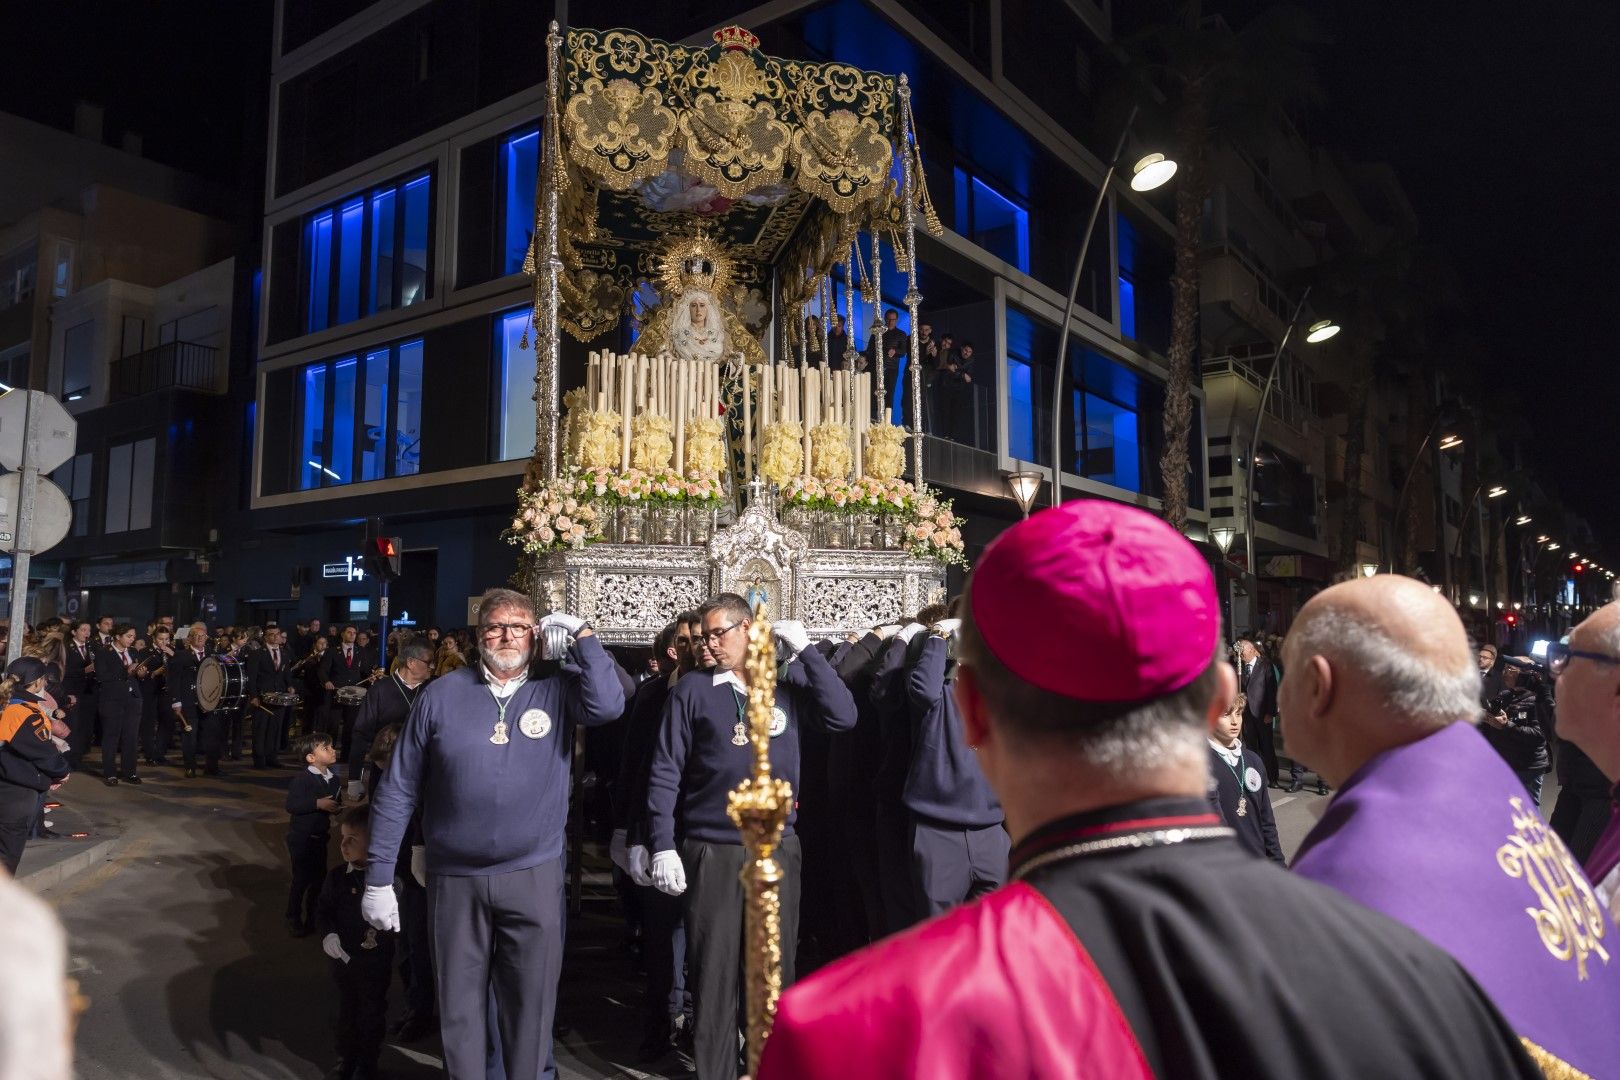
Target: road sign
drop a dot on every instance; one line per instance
(55, 432)
(53, 514)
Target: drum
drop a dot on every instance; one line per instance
(350, 695)
(221, 684)
(281, 699)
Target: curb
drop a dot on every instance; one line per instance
(49, 877)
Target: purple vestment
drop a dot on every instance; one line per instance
(1440, 835)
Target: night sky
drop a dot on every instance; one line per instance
(1501, 122)
(1499, 118)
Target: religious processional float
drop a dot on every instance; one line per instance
(709, 197)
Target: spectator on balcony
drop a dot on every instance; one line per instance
(953, 393)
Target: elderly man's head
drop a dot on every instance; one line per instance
(1589, 688)
(1372, 664)
(506, 631)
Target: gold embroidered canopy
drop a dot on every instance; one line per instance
(727, 115)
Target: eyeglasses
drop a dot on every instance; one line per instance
(1559, 655)
(712, 636)
(491, 631)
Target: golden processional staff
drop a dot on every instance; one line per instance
(759, 808)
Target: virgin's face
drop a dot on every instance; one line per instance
(698, 308)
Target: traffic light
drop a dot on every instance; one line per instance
(1579, 569)
(387, 553)
(1511, 619)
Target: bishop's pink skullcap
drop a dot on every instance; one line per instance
(1097, 601)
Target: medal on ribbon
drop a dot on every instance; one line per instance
(499, 737)
(739, 734)
(371, 939)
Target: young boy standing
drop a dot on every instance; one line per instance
(312, 799)
(362, 958)
(1237, 786)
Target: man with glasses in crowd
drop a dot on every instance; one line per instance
(702, 752)
(486, 752)
(388, 701)
(1588, 673)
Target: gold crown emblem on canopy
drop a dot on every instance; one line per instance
(695, 261)
(735, 37)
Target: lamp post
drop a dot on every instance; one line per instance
(1448, 442)
(1150, 172)
(1223, 536)
(1496, 491)
(1024, 485)
(1319, 331)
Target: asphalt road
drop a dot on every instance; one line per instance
(177, 939)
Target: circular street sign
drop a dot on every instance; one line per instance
(53, 514)
(55, 431)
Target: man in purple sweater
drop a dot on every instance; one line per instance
(701, 754)
(486, 754)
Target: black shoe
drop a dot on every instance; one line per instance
(132, 779)
(191, 773)
(1321, 789)
(49, 834)
(415, 1028)
(1297, 785)
(110, 781)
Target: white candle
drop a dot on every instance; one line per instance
(624, 414)
(748, 424)
(680, 417)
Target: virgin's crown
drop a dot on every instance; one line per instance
(735, 37)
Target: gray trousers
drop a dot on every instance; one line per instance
(714, 937)
(954, 864)
(499, 934)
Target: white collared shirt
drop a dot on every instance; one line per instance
(506, 689)
(1232, 755)
(324, 774)
(731, 677)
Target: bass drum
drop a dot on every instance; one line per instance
(221, 684)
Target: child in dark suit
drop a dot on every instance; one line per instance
(1237, 786)
(362, 958)
(312, 799)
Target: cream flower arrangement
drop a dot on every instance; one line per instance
(705, 452)
(781, 456)
(829, 450)
(650, 444)
(885, 457)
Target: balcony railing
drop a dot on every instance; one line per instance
(1282, 405)
(182, 364)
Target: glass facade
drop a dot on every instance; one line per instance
(520, 163)
(516, 386)
(368, 254)
(360, 417)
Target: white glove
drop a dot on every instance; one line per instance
(793, 632)
(357, 790)
(617, 852)
(668, 875)
(886, 631)
(947, 627)
(419, 864)
(640, 869)
(332, 946)
(910, 631)
(380, 907)
(571, 623)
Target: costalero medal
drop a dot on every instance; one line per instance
(499, 737)
(739, 734)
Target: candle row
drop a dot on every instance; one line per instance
(632, 385)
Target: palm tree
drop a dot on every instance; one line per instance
(1220, 85)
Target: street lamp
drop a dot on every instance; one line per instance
(1496, 492)
(1553, 546)
(1024, 485)
(1317, 327)
(1368, 569)
(1149, 173)
(1450, 442)
(1321, 330)
(1223, 536)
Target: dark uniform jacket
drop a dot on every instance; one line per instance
(182, 677)
(305, 820)
(266, 675)
(335, 671)
(338, 912)
(1256, 827)
(113, 679)
(75, 680)
(944, 783)
(388, 702)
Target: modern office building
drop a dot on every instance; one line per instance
(392, 377)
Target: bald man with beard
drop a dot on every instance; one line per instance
(1432, 828)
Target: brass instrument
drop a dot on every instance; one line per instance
(759, 807)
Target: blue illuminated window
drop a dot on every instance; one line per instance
(516, 386)
(1127, 277)
(520, 161)
(1020, 411)
(370, 253)
(320, 270)
(407, 439)
(312, 469)
(991, 220)
(360, 417)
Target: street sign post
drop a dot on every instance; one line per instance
(36, 434)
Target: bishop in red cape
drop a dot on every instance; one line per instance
(1136, 937)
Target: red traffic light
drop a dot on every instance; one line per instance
(1579, 569)
(385, 547)
(1511, 619)
(386, 552)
